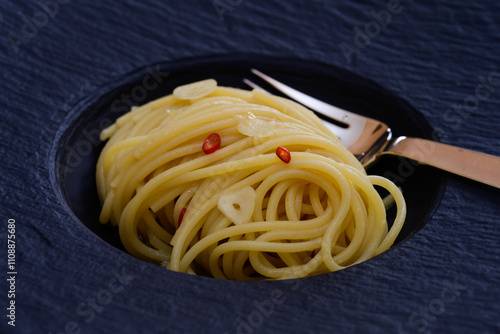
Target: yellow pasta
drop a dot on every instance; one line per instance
(280, 198)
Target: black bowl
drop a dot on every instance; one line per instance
(77, 146)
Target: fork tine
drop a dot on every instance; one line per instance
(347, 126)
(254, 85)
(328, 122)
(338, 115)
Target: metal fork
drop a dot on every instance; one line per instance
(368, 139)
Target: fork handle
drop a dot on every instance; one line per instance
(477, 166)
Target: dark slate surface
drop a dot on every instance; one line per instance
(433, 54)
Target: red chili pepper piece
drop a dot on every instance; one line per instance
(283, 154)
(181, 215)
(211, 143)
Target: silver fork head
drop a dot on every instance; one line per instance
(367, 139)
(363, 136)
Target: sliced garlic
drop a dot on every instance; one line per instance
(195, 90)
(238, 205)
(257, 128)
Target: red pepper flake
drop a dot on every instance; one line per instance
(283, 154)
(181, 215)
(211, 143)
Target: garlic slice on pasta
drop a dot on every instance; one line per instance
(238, 205)
(195, 90)
(259, 129)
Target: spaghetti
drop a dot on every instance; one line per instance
(277, 197)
